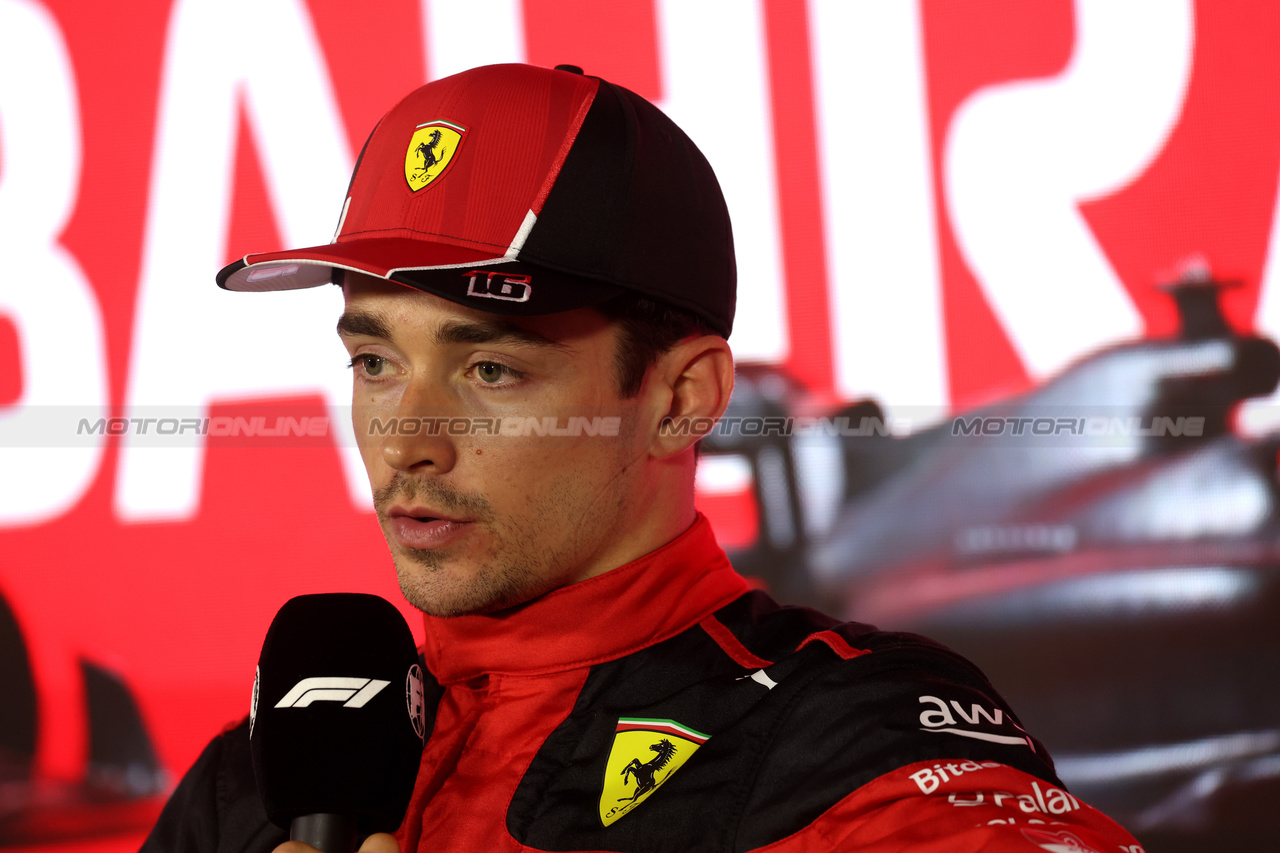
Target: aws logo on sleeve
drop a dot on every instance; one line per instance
(941, 719)
(644, 755)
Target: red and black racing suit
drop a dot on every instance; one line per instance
(784, 730)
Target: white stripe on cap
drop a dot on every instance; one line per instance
(484, 263)
(513, 251)
(342, 220)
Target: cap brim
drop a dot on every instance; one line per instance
(476, 278)
(314, 265)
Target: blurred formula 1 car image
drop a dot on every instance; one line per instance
(1106, 547)
(121, 786)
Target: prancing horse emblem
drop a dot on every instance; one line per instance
(644, 773)
(427, 151)
(431, 150)
(631, 776)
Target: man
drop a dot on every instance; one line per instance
(522, 247)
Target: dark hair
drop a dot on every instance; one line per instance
(646, 329)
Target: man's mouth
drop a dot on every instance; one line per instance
(421, 529)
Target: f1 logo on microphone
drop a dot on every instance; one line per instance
(351, 692)
(497, 285)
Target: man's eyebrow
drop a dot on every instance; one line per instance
(363, 323)
(472, 332)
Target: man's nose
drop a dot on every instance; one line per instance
(419, 439)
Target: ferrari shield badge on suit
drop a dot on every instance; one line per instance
(645, 753)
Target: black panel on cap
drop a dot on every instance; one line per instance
(582, 216)
(637, 205)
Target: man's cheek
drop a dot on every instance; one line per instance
(370, 445)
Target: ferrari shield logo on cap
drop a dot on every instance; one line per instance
(430, 152)
(644, 755)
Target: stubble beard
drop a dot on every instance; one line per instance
(495, 586)
(504, 580)
(524, 562)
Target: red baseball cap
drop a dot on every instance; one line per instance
(525, 190)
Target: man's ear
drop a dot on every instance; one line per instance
(694, 379)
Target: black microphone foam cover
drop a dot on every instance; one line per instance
(338, 717)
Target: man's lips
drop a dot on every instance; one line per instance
(421, 528)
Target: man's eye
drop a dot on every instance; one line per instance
(491, 372)
(370, 365)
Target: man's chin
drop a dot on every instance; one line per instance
(439, 586)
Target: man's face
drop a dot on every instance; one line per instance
(479, 510)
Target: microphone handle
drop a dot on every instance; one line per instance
(330, 833)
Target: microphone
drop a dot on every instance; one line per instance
(337, 722)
